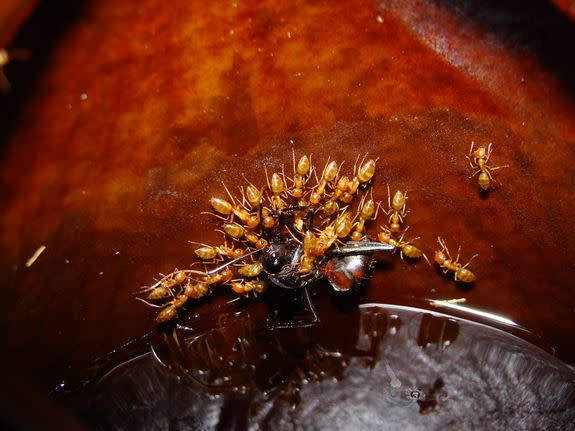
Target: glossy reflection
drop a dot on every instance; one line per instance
(374, 367)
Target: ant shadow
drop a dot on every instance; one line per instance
(484, 194)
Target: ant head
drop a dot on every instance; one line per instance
(440, 257)
(480, 153)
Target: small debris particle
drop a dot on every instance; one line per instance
(35, 256)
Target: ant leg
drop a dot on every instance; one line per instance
(218, 216)
(489, 151)
(310, 305)
(261, 217)
(355, 165)
(471, 163)
(458, 253)
(404, 209)
(149, 303)
(300, 324)
(229, 194)
(363, 159)
(471, 148)
(473, 257)
(444, 246)
(338, 169)
(474, 173)
(497, 167)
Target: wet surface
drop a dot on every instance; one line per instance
(382, 373)
(133, 115)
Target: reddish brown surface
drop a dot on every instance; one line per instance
(12, 14)
(180, 98)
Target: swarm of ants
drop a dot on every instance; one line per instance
(294, 231)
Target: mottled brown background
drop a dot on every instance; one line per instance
(129, 115)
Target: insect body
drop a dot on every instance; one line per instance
(478, 160)
(278, 242)
(208, 252)
(328, 176)
(301, 175)
(405, 249)
(444, 260)
(367, 212)
(397, 209)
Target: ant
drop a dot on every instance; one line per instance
(405, 248)
(186, 287)
(345, 267)
(302, 173)
(397, 209)
(444, 260)
(281, 246)
(478, 160)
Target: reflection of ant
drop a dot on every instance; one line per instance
(478, 160)
(444, 260)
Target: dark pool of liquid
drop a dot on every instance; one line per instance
(375, 366)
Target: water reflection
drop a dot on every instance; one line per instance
(377, 366)
(436, 330)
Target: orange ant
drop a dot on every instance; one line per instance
(397, 209)
(368, 211)
(188, 289)
(405, 248)
(245, 287)
(362, 176)
(208, 252)
(302, 173)
(228, 210)
(277, 186)
(238, 232)
(444, 260)
(174, 280)
(328, 176)
(478, 160)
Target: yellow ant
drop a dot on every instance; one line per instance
(397, 209)
(444, 260)
(478, 160)
(405, 248)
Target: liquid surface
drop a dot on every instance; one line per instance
(129, 115)
(389, 367)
